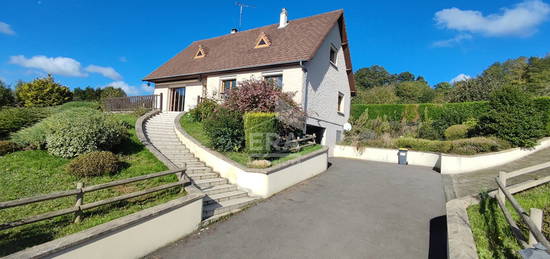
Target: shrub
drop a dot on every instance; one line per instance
(7, 147)
(94, 164)
(140, 111)
(427, 131)
(224, 129)
(82, 130)
(513, 116)
(111, 92)
(260, 130)
(472, 146)
(43, 92)
(377, 95)
(203, 110)
(13, 119)
(456, 132)
(424, 145)
(255, 96)
(33, 137)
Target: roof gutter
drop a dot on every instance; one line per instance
(153, 80)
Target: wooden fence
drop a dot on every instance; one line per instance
(533, 220)
(79, 192)
(132, 103)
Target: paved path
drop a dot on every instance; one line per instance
(484, 180)
(356, 209)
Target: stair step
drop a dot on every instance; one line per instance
(226, 206)
(201, 176)
(224, 196)
(219, 189)
(205, 183)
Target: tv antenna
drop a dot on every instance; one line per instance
(241, 7)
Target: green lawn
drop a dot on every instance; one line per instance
(491, 231)
(195, 129)
(31, 173)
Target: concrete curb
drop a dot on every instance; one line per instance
(269, 170)
(460, 239)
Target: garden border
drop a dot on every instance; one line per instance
(441, 162)
(262, 182)
(134, 235)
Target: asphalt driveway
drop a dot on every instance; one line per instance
(356, 209)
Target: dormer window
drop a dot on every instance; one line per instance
(263, 41)
(201, 53)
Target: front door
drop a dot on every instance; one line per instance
(177, 99)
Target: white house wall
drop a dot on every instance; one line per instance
(192, 90)
(293, 80)
(324, 82)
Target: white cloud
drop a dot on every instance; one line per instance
(452, 41)
(6, 29)
(131, 90)
(521, 20)
(461, 77)
(58, 65)
(108, 72)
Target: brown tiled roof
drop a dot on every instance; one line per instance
(298, 41)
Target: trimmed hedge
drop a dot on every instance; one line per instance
(259, 129)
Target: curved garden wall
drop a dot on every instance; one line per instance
(444, 163)
(261, 182)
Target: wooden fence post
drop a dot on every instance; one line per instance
(500, 194)
(536, 216)
(79, 201)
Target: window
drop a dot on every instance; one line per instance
(340, 102)
(333, 55)
(201, 53)
(277, 80)
(228, 84)
(262, 41)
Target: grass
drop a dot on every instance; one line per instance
(492, 233)
(195, 129)
(35, 172)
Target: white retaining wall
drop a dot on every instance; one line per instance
(445, 163)
(260, 182)
(132, 236)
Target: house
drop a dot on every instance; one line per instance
(308, 56)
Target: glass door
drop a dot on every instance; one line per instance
(177, 99)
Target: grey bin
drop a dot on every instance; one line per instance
(402, 156)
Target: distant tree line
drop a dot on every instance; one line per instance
(46, 91)
(377, 86)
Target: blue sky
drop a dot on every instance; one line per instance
(98, 43)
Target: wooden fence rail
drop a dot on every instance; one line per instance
(79, 194)
(131, 103)
(503, 194)
(297, 144)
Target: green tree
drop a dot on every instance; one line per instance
(6, 95)
(87, 94)
(414, 92)
(443, 86)
(111, 92)
(42, 92)
(373, 76)
(513, 116)
(405, 76)
(538, 75)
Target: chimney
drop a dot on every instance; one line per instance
(233, 31)
(283, 19)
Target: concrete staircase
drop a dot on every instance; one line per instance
(222, 198)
